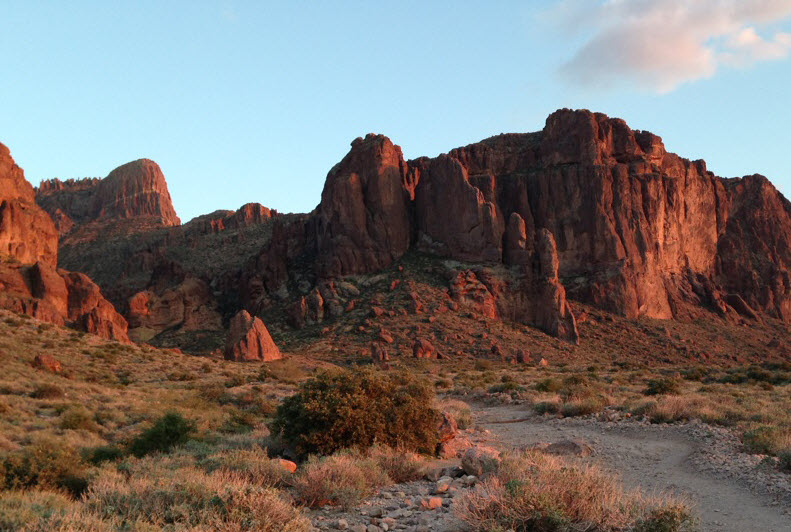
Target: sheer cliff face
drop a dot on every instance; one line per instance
(27, 234)
(639, 231)
(135, 190)
(363, 221)
(30, 282)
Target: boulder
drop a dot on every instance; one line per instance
(422, 348)
(249, 340)
(447, 428)
(46, 363)
(480, 460)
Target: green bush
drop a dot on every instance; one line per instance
(358, 409)
(662, 386)
(785, 461)
(105, 453)
(47, 463)
(168, 431)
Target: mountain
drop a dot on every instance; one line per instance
(539, 229)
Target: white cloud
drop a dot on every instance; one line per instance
(660, 44)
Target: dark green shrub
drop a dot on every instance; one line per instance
(546, 407)
(662, 386)
(47, 463)
(168, 431)
(785, 461)
(358, 409)
(47, 391)
(239, 422)
(105, 453)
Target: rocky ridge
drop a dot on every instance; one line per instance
(586, 209)
(30, 281)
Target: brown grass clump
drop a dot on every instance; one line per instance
(767, 440)
(400, 466)
(342, 479)
(459, 410)
(186, 497)
(252, 465)
(536, 492)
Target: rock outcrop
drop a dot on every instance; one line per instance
(187, 306)
(586, 209)
(248, 340)
(135, 190)
(362, 223)
(30, 282)
(26, 233)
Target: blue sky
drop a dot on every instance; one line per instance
(253, 101)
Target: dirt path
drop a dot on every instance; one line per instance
(654, 458)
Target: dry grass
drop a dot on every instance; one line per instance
(252, 465)
(536, 492)
(342, 479)
(458, 409)
(186, 497)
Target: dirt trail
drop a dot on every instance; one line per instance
(655, 458)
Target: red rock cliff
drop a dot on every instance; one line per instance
(135, 190)
(29, 282)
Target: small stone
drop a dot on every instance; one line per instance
(432, 503)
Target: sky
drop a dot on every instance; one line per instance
(254, 101)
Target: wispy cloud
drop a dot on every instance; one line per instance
(660, 44)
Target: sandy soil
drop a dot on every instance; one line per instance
(675, 459)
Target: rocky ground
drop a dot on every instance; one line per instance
(703, 465)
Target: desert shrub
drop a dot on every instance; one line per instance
(239, 422)
(252, 465)
(766, 439)
(47, 463)
(400, 466)
(47, 391)
(78, 418)
(549, 385)
(357, 409)
(506, 387)
(784, 462)
(669, 518)
(168, 431)
(32, 510)
(536, 492)
(547, 407)
(662, 386)
(342, 479)
(184, 498)
(483, 365)
(583, 407)
(104, 453)
(695, 374)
